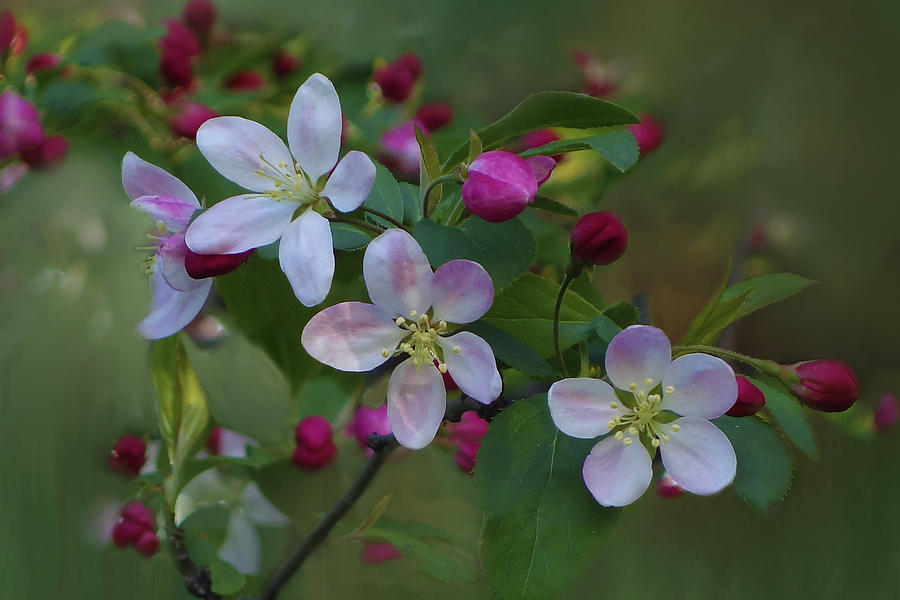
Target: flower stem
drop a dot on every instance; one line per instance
(359, 223)
(197, 580)
(431, 185)
(768, 367)
(386, 217)
(559, 299)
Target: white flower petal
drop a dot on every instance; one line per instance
(704, 385)
(307, 258)
(616, 474)
(582, 407)
(397, 274)
(238, 224)
(241, 547)
(206, 489)
(174, 213)
(416, 401)
(234, 445)
(170, 263)
(350, 336)
(259, 510)
(461, 291)
(473, 368)
(239, 148)
(171, 310)
(314, 126)
(350, 183)
(140, 178)
(698, 456)
(636, 354)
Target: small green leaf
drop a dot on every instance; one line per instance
(546, 109)
(384, 197)
(445, 562)
(430, 169)
(618, 147)
(764, 467)
(767, 289)
(226, 580)
(348, 237)
(789, 415)
(542, 529)
(542, 203)
(474, 146)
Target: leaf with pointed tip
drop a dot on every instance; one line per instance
(618, 147)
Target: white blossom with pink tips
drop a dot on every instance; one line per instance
(413, 312)
(667, 406)
(288, 186)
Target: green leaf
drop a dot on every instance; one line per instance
(430, 169)
(226, 580)
(764, 467)
(417, 541)
(718, 315)
(766, 289)
(163, 374)
(129, 47)
(547, 109)
(475, 146)
(542, 529)
(542, 203)
(618, 147)
(512, 352)
(204, 531)
(504, 249)
(789, 415)
(385, 197)
(348, 237)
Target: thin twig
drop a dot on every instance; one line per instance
(433, 184)
(197, 580)
(358, 223)
(386, 217)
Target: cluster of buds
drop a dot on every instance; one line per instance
(398, 147)
(128, 456)
(22, 134)
(397, 78)
(315, 444)
(136, 527)
(466, 436)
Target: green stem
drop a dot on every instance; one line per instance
(359, 223)
(431, 185)
(559, 299)
(764, 366)
(387, 218)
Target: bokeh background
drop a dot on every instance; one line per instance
(779, 113)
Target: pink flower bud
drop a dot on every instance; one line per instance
(399, 150)
(315, 445)
(411, 63)
(213, 443)
(244, 81)
(749, 400)
(7, 30)
(201, 266)
(175, 69)
(199, 15)
(375, 553)
(125, 533)
(649, 133)
(396, 79)
(466, 436)
(667, 488)
(42, 61)
(599, 238)
(128, 456)
(887, 413)
(499, 186)
(49, 152)
(179, 39)
(147, 544)
(541, 167)
(435, 115)
(138, 527)
(19, 41)
(826, 385)
(20, 124)
(367, 421)
(189, 118)
(136, 512)
(537, 138)
(284, 63)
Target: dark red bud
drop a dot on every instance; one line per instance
(396, 82)
(214, 441)
(465, 456)
(315, 444)
(175, 69)
(42, 61)
(7, 29)
(199, 15)
(648, 134)
(189, 119)
(201, 266)
(283, 64)
(411, 63)
(128, 456)
(667, 488)
(749, 400)
(49, 152)
(147, 544)
(126, 532)
(887, 413)
(599, 238)
(179, 39)
(435, 115)
(136, 512)
(244, 81)
(375, 553)
(826, 385)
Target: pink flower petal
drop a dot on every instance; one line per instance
(170, 263)
(140, 178)
(698, 456)
(473, 368)
(461, 292)
(350, 183)
(397, 274)
(704, 385)
(581, 407)
(636, 354)
(172, 212)
(350, 336)
(416, 402)
(314, 126)
(239, 148)
(617, 474)
(307, 258)
(238, 224)
(542, 166)
(171, 310)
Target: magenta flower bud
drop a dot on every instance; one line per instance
(367, 421)
(284, 63)
(375, 553)
(648, 134)
(189, 118)
(435, 115)
(20, 124)
(887, 413)
(244, 81)
(42, 61)
(128, 456)
(147, 544)
(396, 79)
(749, 399)
(201, 266)
(7, 30)
(199, 15)
(213, 443)
(537, 138)
(136, 512)
(541, 167)
(49, 152)
(315, 445)
(826, 385)
(411, 63)
(599, 238)
(667, 488)
(499, 186)
(466, 436)
(399, 150)
(175, 69)
(466, 453)
(124, 533)
(179, 39)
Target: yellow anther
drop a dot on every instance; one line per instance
(648, 382)
(670, 389)
(456, 349)
(654, 442)
(665, 437)
(442, 325)
(676, 427)
(385, 352)
(632, 430)
(611, 423)
(614, 405)
(632, 386)
(413, 313)
(442, 367)
(619, 435)
(400, 321)
(627, 441)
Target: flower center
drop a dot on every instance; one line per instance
(290, 184)
(422, 342)
(641, 417)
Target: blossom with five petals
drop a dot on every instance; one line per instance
(662, 404)
(411, 314)
(285, 184)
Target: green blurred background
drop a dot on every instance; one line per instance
(779, 111)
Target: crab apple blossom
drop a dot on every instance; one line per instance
(411, 314)
(315, 444)
(749, 399)
(599, 238)
(500, 184)
(286, 185)
(663, 405)
(128, 456)
(825, 385)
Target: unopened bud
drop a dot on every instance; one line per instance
(199, 15)
(367, 421)
(201, 266)
(375, 553)
(435, 115)
(42, 61)
(826, 385)
(648, 134)
(599, 238)
(284, 63)
(244, 81)
(49, 152)
(189, 118)
(315, 444)
(749, 399)
(128, 456)
(887, 413)
(499, 186)
(667, 488)
(396, 79)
